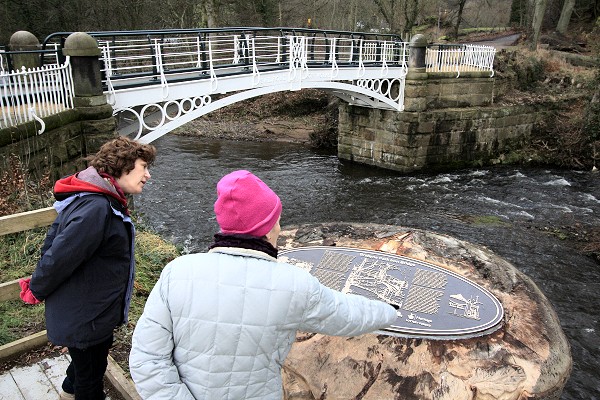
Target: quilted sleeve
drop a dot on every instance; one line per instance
(150, 361)
(337, 314)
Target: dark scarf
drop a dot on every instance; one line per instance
(244, 242)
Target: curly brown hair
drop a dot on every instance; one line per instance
(118, 156)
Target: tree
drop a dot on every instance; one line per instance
(565, 16)
(411, 12)
(388, 9)
(536, 24)
(519, 13)
(460, 4)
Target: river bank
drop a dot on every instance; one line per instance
(307, 117)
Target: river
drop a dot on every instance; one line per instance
(519, 213)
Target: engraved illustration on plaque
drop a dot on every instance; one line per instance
(470, 307)
(432, 302)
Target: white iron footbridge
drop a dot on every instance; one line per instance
(163, 79)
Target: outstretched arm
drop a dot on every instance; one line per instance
(334, 313)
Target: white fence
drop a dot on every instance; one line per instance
(460, 58)
(135, 60)
(34, 93)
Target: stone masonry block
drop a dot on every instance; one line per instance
(417, 104)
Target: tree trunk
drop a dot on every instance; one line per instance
(461, 7)
(388, 11)
(210, 13)
(411, 11)
(536, 25)
(565, 16)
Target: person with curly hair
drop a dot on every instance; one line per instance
(86, 269)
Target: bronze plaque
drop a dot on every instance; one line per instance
(431, 301)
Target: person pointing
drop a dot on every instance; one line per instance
(219, 325)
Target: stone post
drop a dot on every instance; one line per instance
(415, 91)
(418, 48)
(98, 123)
(24, 41)
(84, 52)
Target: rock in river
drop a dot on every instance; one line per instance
(528, 357)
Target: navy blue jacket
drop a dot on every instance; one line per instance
(85, 273)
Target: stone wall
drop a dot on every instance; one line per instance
(438, 139)
(69, 137)
(448, 123)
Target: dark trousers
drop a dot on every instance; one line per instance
(85, 374)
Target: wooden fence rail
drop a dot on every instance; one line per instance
(26, 220)
(18, 223)
(10, 290)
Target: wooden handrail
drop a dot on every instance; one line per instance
(10, 290)
(18, 223)
(27, 220)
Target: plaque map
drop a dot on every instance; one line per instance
(431, 302)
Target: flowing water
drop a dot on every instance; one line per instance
(519, 213)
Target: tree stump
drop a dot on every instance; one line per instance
(527, 358)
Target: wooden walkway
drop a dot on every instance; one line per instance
(43, 380)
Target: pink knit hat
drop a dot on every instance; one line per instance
(246, 205)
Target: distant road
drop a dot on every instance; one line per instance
(500, 42)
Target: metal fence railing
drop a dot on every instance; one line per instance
(459, 58)
(28, 94)
(141, 58)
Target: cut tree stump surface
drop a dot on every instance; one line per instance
(527, 358)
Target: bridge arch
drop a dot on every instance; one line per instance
(173, 114)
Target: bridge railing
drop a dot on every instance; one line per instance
(142, 58)
(28, 94)
(49, 55)
(137, 58)
(459, 58)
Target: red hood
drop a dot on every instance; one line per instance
(72, 184)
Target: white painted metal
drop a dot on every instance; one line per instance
(460, 58)
(178, 75)
(157, 76)
(198, 107)
(34, 93)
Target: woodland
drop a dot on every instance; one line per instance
(406, 17)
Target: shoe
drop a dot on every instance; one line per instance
(66, 396)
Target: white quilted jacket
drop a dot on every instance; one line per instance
(219, 325)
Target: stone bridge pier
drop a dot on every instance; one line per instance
(448, 122)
